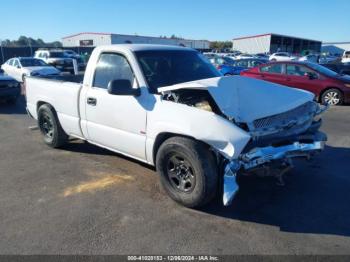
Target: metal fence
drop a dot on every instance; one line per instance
(10, 52)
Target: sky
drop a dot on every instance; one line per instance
(325, 20)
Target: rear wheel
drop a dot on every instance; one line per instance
(50, 127)
(332, 97)
(188, 171)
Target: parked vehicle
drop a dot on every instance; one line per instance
(226, 65)
(329, 87)
(282, 56)
(20, 67)
(71, 53)
(343, 69)
(79, 58)
(327, 59)
(249, 63)
(10, 89)
(244, 56)
(169, 107)
(56, 58)
(262, 56)
(346, 57)
(312, 58)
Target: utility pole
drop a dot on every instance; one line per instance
(2, 52)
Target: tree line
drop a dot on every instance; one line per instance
(28, 41)
(220, 44)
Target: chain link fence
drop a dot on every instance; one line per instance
(27, 51)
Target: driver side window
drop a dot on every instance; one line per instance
(112, 67)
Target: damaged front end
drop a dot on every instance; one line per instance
(276, 140)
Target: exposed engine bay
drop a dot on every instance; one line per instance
(197, 98)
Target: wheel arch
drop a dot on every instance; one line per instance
(40, 103)
(162, 137)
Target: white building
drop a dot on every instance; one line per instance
(96, 39)
(335, 47)
(271, 43)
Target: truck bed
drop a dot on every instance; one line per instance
(62, 93)
(65, 78)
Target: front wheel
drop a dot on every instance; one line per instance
(188, 171)
(50, 127)
(332, 97)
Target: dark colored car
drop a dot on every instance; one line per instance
(10, 89)
(343, 69)
(329, 86)
(226, 65)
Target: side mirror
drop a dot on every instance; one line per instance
(19, 67)
(122, 87)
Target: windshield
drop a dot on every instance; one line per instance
(27, 62)
(57, 54)
(323, 70)
(165, 68)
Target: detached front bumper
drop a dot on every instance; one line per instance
(264, 156)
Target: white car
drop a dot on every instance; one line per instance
(282, 56)
(244, 56)
(310, 58)
(170, 108)
(346, 57)
(20, 67)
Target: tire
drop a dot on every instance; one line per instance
(273, 60)
(332, 97)
(50, 127)
(179, 157)
(228, 74)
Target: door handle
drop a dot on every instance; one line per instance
(91, 101)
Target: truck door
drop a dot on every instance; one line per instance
(117, 122)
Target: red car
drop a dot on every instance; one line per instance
(329, 87)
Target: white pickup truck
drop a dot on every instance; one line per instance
(169, 107)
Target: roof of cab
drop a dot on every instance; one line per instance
(144, 47)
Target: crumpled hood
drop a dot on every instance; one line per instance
(42, 70)
(247, 99)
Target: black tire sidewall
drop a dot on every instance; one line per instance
(55, 141)
(204, 169)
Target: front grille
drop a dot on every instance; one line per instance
(295, 114)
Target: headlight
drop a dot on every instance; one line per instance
(347, 85)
